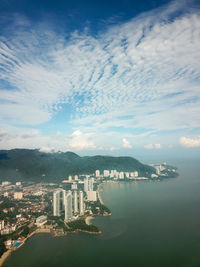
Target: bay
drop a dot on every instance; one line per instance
(152, 224)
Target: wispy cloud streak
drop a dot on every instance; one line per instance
(143, 74)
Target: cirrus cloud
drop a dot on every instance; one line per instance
(134, 77)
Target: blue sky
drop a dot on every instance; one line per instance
(100, 77)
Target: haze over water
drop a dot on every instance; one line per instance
(153, 224)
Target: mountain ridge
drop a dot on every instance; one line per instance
(32, 164)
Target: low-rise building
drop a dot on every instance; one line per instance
(41, 220)
(18, 195)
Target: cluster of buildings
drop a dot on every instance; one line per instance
(114, 174)
(8, 228)
(162, 170)
(89, 189)
(69, 202)
(72, 202)
(11, 190)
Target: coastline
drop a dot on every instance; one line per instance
(88, 219)
(4, 256)
(99, 195)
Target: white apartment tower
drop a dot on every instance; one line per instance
(90, 184)
(112, 174)
(63, 199)
(75, 202)
(86, 184)
(106, 173)
(68, 205)
(81, 203)
(121, 175)
(97, 173)
(56, 203)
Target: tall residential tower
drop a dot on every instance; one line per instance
(56, 203)
(68, 206)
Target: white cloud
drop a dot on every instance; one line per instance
(30, 134)
(190, 142)
(47, 149)
(126, 143)
(136, 75)
(80, 141)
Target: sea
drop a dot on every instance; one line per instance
(152, 224)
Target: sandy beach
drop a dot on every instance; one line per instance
(99, 195)
(88, 220)
(5, 256)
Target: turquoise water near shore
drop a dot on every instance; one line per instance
(152, 224)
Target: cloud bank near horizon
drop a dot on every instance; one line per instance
(136, 79)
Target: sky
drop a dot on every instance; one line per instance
(100, 77)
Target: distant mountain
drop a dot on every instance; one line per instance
(27, 164)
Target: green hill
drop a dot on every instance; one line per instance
(29, 164)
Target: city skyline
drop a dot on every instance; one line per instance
(100, 78)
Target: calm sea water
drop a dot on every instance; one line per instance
(153, 224)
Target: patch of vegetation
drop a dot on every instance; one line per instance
(98, 209)
(2, 246)
(81, 225)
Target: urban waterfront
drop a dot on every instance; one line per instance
(152, 224)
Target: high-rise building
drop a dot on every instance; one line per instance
(97, 173)
(91, 196)
(63, 194)
(106, 173)
(86, 184)
(115, 173)
(121, 175)
(90, 184)
(81, 203)
(75, 202)
(112, 174)
(74, 186)
(56, 203)
(68, 206)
